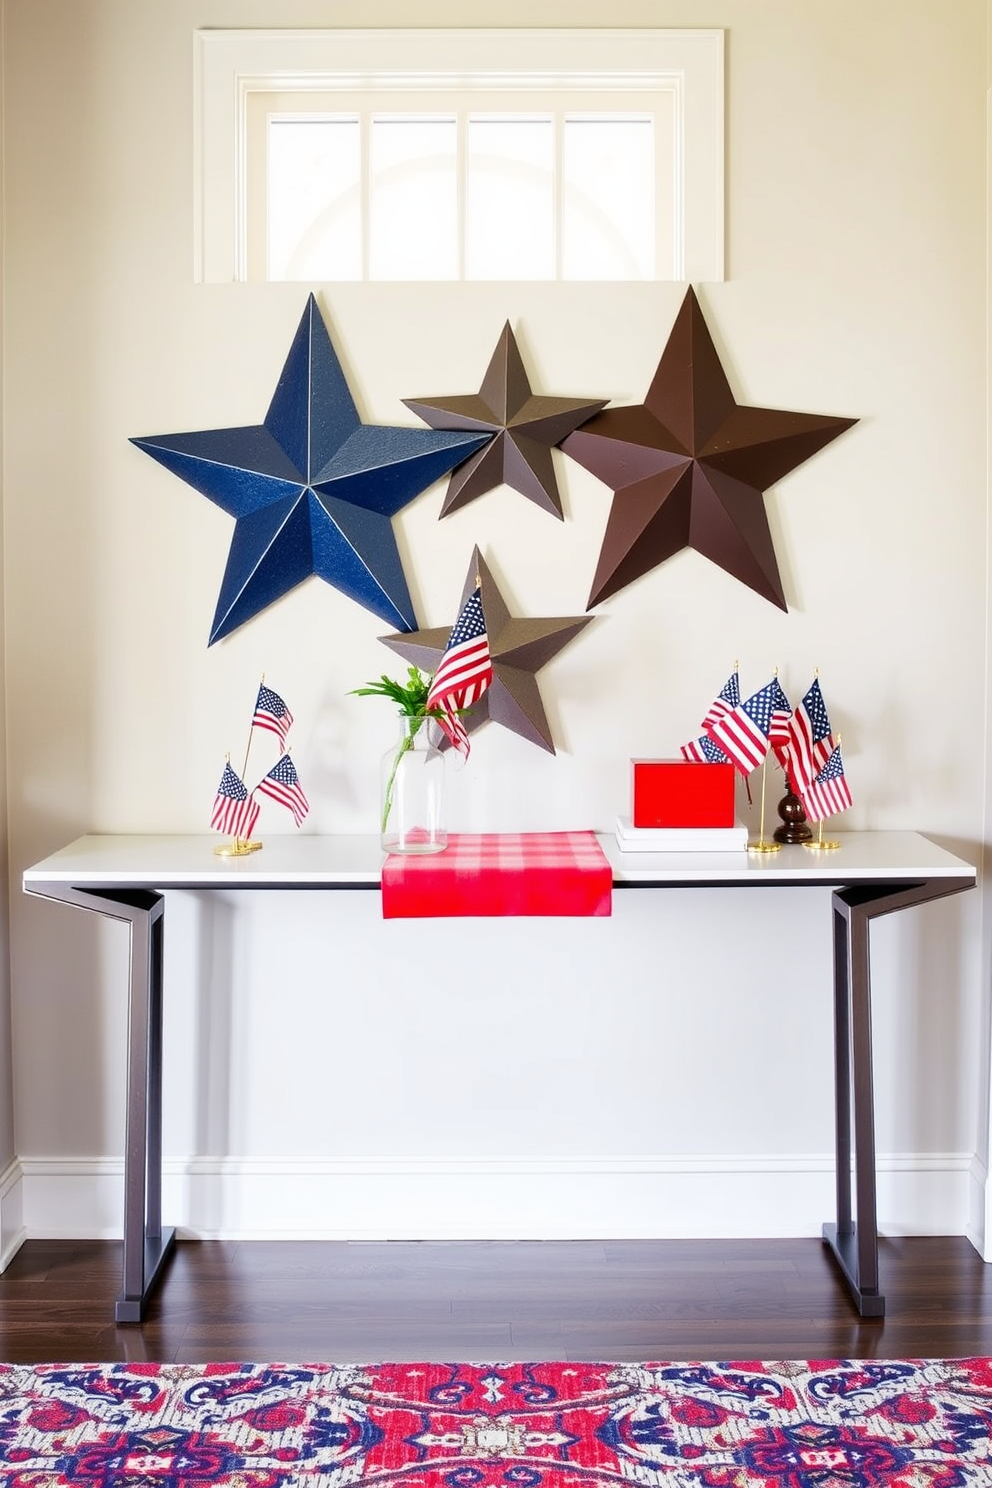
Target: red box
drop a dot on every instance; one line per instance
(682, 793)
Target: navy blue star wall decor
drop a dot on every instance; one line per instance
(313, 490)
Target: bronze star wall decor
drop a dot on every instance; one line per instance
(525, 428)
(689, 466)
(519, 648)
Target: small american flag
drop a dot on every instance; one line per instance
(283, 784)
(271, 713)
(235, 811)
(726, 700)
(704, 751)
(810, 740)
(745, 732)
(829, 792)
(778, 729)
(464, 671)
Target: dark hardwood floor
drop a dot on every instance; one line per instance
(315, 1301)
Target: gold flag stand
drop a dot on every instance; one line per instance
(763, 844)
(239, 847)
(821, 843)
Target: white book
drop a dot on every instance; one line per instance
(680, 839)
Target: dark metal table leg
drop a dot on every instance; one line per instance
(147, 1245)
(854, 1237)
(842, 1073)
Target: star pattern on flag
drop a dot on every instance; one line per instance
(689, 467)
(704, 752)
(282, 784)
(463, 673)
(726, 700)
(313, 490)
(747, 731)
(524, 428)
(829, 793)
(519, 649)
(810, 739)
(271, 713)
(235, 808)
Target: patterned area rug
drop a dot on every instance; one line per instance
(838, 1424)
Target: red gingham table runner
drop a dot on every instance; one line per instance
(500, 873)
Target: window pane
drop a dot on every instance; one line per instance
(510, 216)
(449, 191)
(413, 214)
(608, 204)
(314, 217)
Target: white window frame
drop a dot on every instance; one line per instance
(230, 65)
(461, 108)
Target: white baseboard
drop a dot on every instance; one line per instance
(979, 1229)
(498, 1198)
(13, 1232)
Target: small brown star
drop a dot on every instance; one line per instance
(525, 430)
(519, 649)
(688, 468)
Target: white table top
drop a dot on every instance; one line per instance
(305, 861)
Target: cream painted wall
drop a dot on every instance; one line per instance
(7, 1149)
(568, 1093)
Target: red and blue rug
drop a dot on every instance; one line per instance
(836, 1424)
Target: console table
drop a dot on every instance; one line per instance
(128, 878)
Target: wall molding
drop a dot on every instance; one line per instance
(13, 1232)
(498, 1198)
(979, 1230)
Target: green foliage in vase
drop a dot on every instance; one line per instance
(411, 699)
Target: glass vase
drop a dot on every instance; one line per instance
(412, 796)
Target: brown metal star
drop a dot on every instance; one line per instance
(519, 649)
(525, 428)
(689, 466)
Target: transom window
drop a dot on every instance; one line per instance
(460, 193)
(476, 155)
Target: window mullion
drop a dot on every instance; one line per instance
(497, 176)
(366, 186)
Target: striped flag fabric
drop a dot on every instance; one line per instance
(778, 731)
(704, 752)
(283, 785)
(829, 792)
(271, 713)
(810, 742)
(726, 700)
(745, 732)
(464, 672)
(235, 810)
